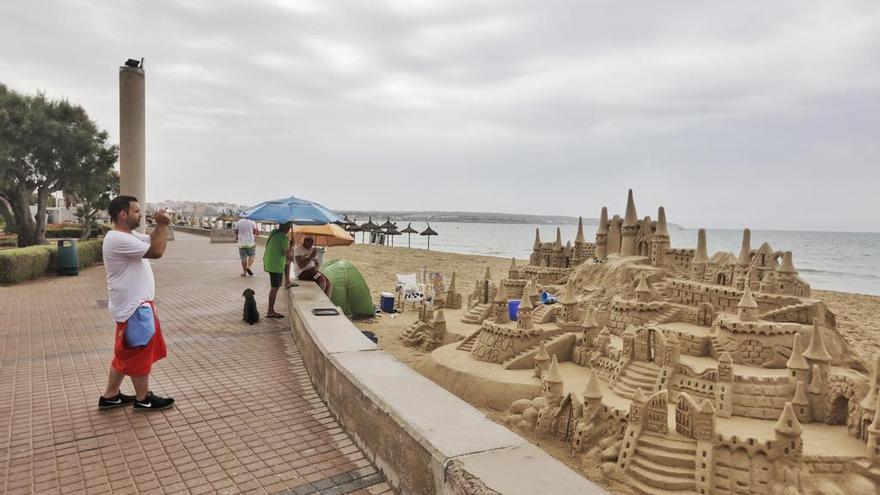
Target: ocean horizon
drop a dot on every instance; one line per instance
(840, 261)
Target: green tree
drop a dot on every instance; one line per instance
(46, 146)
(93, 196)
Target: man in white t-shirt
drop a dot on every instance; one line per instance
(305, 265)
(246, 233)
(131, 290)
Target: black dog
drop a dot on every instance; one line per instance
(250, 315)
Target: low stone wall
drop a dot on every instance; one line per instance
(424, 439)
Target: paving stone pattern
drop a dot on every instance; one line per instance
(247, 419)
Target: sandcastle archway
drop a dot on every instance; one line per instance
(643, 347)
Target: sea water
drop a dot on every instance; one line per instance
(842, 261)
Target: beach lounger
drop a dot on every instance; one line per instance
(409, 290)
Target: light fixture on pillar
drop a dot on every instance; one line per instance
(137, 64)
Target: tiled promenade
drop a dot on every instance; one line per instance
(247, 419)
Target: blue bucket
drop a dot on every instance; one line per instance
(512, 308)
(386, 302)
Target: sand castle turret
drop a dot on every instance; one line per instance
(589, 329)
(614, 234)
(592, 392)
(796, 364)
(870, 400)
(788, 433)
(787, 264)
(660, 239)
(801, 403)
(568, 300)
(745, 251)
(535, 258)
(499, 306)
(488, 274)
(557, 244)
(747, 307)
(524, 318)
(513, 271)
(453, 298)
(701, 258)
(579, 238)
(602, 235)
(643, 290)
(542, 360)
(817, 353)
(553, 387)
(604, 341)
(630, 228)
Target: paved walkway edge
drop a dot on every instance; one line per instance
(424, 439)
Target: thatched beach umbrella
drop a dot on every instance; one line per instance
(391, 232)
(387, 225)
(369, 226)
(409, 231)
(428, 232)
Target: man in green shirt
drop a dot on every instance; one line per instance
(276, 262)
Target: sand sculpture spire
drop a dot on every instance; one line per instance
(816, 350)
(488, 274)
(553, 374)
(800, 396)
(701, 255)
(537, 245)
(452, 284)
(745, 252)
(661, 223)
(643, 291)
(557, 244)
(796, 361)
(748, 308)
(526, 302)
(630, 228)
(590, 320)
(788, 423)
(542, 360)
(630, 219)
(592, 391)
(579, 238)
(787, 264)
(602, 235)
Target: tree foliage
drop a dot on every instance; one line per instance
(48, 146)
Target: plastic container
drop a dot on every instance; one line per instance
(386, 302)
(68, 259)
(512, 308)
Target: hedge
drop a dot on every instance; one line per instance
(74, 231)
(17, 265)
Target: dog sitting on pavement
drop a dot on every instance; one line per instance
(250, 313)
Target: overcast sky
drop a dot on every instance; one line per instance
(731, 114)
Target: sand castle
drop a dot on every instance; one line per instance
(684, 372)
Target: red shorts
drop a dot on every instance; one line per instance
(137, 361)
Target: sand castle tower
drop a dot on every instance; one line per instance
(788, 434)
(741, 271)
(524, 312)
(453, 298)
(569, 303)
(701, 258)
(614, 234)
(723, 389)
(747, 308)
(542, 360)
(534, 296)
(630, 228)
(590, 328)
(660, 239)
(552, 383)
(581, 248)
(557, 258)
(437, 331)
(801, 403)
(513, 271)
(535, 258)
(819, 360)
(604, 341)
(643, 290)
(628, 336)
(602, 235)
(499, 307)
(796, 364)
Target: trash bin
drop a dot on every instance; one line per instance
(68, 259)
(512, 308)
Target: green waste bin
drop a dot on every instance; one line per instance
(68, 259)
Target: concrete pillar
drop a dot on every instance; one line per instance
(132, 137)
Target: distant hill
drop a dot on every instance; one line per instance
(463, 217)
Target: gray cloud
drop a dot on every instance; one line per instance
(743, 113)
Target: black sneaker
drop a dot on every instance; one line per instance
(153, 403)
(249, 272)
(120, 400)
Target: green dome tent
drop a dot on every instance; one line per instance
(350, 291)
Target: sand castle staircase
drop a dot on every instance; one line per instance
(521, 360)
(544, 313)
(467, 345)
(663, 464)
(476, 315)
(636, 375)
(668, 315)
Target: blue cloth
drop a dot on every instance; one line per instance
(140, 327)
(297, 210)
(547, 298)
